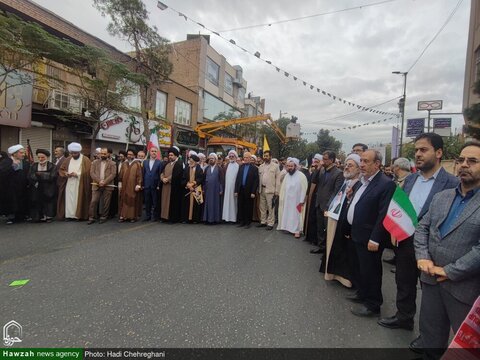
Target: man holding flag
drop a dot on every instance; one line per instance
(407, 208)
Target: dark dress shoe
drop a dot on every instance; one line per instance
(354, 298)
(90, 222)
(146, 219)
(102, 221)
(416, 345)
(261, 225)
(393, 322)
(248, 226)
(365, 312)
(269, 227)
(317, 251)
(241, 225)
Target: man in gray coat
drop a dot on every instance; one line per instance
(447, 249)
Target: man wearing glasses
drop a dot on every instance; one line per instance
(447, 249)
(420, 187)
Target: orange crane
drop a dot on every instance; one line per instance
(207, 131)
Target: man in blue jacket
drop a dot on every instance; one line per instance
(152, 168)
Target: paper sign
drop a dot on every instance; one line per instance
(19, 282)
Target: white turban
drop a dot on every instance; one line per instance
(294, 160)
(233, 152)
(318, 157)
(214, 155)
(13, 149)
(201, 155)
(98, 150)
(354, 157)
(191, 152)
(254, 157)
(74, 147)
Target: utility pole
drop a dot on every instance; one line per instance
(401, 105)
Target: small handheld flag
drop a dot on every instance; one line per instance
(401, 219)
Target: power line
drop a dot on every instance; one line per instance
(277, 68)
(436, 35)
(307, 17)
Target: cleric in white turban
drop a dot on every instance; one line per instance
(229, 209)
(293, 191)
(13, 149)
(74, 147)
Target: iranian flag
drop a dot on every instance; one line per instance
(401, 219)
(153, 141)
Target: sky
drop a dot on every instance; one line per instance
(350, 54)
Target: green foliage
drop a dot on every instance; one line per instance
(327, 142)
(129, 21)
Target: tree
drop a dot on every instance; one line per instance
(23, 45)
(327, 142)
(128, 21)
(473, 115)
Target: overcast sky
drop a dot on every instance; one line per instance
(350, 54)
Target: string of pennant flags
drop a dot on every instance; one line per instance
(352, 127)
(287, 74)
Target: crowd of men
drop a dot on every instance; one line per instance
(339, 208)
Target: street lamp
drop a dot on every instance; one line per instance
(402, 105)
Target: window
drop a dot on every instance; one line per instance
(60, 100)
(133, 100)
(214, 108)
(212, 71)
(183, 112)
(161, 105)
(229, 84)
(241, 97)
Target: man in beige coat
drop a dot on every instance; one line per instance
(102, 172)
(269, 180)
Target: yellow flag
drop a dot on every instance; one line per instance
(266, 147)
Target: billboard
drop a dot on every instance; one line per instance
(415, 127)
(16, 92)
(126, 128)
(395, 144)
(430, 105)
(442, 126)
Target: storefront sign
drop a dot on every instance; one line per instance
(187, 138)
(16, 100)
(123, 128)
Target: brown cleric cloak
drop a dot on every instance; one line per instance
(130, 177)
(84, 191)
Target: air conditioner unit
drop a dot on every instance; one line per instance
(60, 100)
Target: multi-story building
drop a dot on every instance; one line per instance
(53, 111)
(472, 67)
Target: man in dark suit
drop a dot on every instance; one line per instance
(151, 178)
(246, 186)
(420, 187)
(329, 181)
(447, 249)
(367, 210)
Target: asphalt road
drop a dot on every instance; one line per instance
(159, 285)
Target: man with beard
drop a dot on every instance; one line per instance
(229, 213)
(291, 210)
(311, 210)
(246, 187)
(367, 210)
(401, 170)
(42, 179)
(447, 249)
(340, 261)
(74, 194)
(420, 187)
(269, 174)
(330, 180)
(213, 190)
(130, 185)
(171, 178)
(102, 172)
(14, 172)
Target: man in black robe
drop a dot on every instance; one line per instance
(42, 181)
(14, 171)
(171, 178)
